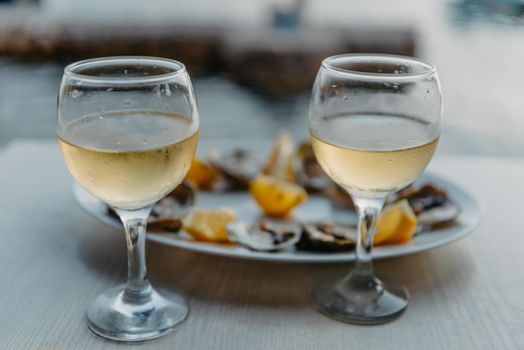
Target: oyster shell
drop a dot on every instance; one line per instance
(238, 167)
(165, 225)
(265, 235)
(166, 213)
(432, 206)
(307, 170)
(339, 198)
(327, 237)
(438, 217)
(422, 198)
(175, 204)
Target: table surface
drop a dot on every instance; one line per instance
(55, 259)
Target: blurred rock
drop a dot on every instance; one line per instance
(285, 62)
(278, 62)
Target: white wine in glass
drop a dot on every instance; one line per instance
(373, 154)
(375, 124)
(131, 159)
(128, 132)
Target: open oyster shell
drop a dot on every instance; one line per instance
(167, 211)
(307, 170)
(166, 214)
(432, 206)
(265, 235)
(238, 167)
(327, 237)
(177, 203)
(339, 198)
(165, 225)
(438, 217)
(422, 198)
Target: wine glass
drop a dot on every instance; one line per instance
(374, 123)
(128, 131)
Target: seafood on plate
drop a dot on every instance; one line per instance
(285, 180)
(307, 171)
(276, 197)
(208, 225)
(327, 237)
(431, 205)
(236, 168)
(265, 235)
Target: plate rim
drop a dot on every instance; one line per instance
(469, 220)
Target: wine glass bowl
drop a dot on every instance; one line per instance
(375, 124)
(128, 131)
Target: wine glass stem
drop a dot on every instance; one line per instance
(368, 211)
(138, 289)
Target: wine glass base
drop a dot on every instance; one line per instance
(353, 306)
(111, 316)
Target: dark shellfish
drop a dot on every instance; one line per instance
(177, 203)
(327, 237)
(432, 206)
(307, 170)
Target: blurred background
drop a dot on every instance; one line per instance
(253, 62)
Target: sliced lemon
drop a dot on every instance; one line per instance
(201, 174)
(278, 163)
(208, 225)
(396, 225)
(276, 197)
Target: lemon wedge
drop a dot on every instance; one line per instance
(278, 163)
(208, 225)
(396, 225)
(276, 197)
(201, 174)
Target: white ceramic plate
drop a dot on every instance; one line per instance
(315, 208)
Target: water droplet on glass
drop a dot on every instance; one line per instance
(76, 93)
(109, 89)
(101, 117)
(125, 71)
(346, 97)
(157, 90)
(334, 85)
(427, 91)
(127, 102)
(167, 90)
(144, 142)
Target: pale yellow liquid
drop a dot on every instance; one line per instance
(373, 155)
(129, 160)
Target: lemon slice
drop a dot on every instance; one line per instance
(208, 225)
(278, 163)
(276, 197)
(396, 225)
(201, 174)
